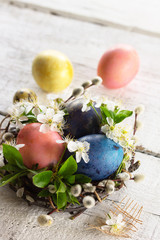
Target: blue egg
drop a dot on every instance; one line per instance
(105, 157)
(78, 123)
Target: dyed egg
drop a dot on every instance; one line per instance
(40, 148)
(80, 123)
(25, 94)
(118, 66)
(105, 157)
(52, 71)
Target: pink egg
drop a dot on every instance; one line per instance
(40, 148)
(118, 66)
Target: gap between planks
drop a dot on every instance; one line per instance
(82, 17)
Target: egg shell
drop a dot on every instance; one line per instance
(80, 123)
(52, 71)
(40, 148)
(105, 157)
(118, 66)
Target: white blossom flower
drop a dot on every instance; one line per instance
(139, 109)
(81, 149)
(88, 202)
(13, 144)
(50, 120)
(51, 188)
(124, 176)
(66, 140)
(20, 192)
(16, 112)
(88, 187)
(45, 220)
(76, 190)
(115, 223)
(86, 101)
(138, 177)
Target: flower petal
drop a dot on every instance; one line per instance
(85, 157)
(72, 146)
(44, 128)
(41, 118)
(78, 156)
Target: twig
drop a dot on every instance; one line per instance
(98, 197)
(77, 214)
(51, 202)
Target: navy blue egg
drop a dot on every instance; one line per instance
(78, 123)
(105, 157)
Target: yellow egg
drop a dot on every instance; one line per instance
(52, 71)
(25, 94)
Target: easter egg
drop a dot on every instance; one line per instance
(80, 123)
(118, 66)
(25, 94)
(105, 157)
(52, 71)
(40, 148)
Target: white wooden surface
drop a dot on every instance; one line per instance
(25, 32)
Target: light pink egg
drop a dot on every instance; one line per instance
(118, 66)
(40, 148)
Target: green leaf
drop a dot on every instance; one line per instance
(108, 113)
(62, 187)
(44, 193)
(68, 168)
(11, 177)
(71, 198)
(61, 200)
(80, 178)
(11, 168)
(13, 156)
(70, 179)
(42, 179)
(120, 116)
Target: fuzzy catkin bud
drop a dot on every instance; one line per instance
(138, 177)
(109, 188)
(29, 198)
(76, 190)
(52, 188)
(88, 202)
(139, 109)
(86, 84)
(45, 220)
(88, 187)
(138, 125)
(78, 92)
(97, 80)
(20, 192)
(8, 136)
(123, 176)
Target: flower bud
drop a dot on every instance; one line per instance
(20, 192)
(88, 202)
(86, 84)
(29, 198)
(76, 190)
(110, 182)
(52, 188)
(123, 176)
(8, 136)
(88, 187)
(139, 109)
(109, 188)
(138, 125)
(45, 220)
(138, 177)
(78, 92)
(97, 80)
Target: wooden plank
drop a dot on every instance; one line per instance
(18, 220)
(135, 16)
(25, 33)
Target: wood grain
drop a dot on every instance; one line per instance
(140, 16)
(26, 32)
